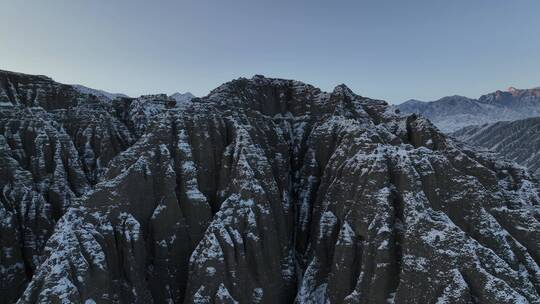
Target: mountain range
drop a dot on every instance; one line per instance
(455, 112)
(264, 191)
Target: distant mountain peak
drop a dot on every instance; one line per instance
(512, 89)
(451, 113)
(99, 93)
(342, 89)
(182, 97)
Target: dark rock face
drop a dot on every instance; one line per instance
(272, 191)
(455, 112)
(55, 144)
(516, 140)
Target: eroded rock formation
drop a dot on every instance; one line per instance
(269, 191)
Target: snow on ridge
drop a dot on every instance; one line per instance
(99, 93)
(182, 97)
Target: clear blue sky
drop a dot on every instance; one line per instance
(392, 50)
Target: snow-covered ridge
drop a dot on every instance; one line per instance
(454, 112)
(182, 97)
(98, 93)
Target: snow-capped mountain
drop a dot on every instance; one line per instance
(182, 97)
(455, 112)
(99, 93)
(516, 140)
(264, 191)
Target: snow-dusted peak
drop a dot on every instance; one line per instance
(414, 101)
(454, 112)
(512, 89)
(99, 93)
(342, 89)
(182, 97)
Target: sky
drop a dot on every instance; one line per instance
(391, 50)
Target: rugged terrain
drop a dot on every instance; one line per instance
(455, 112)
(264, 191)
(516, 140)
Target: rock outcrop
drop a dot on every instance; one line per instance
(272, 191)
(55, 144)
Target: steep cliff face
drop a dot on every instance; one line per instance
(516, 140)
(55, 143)
(272, 191)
